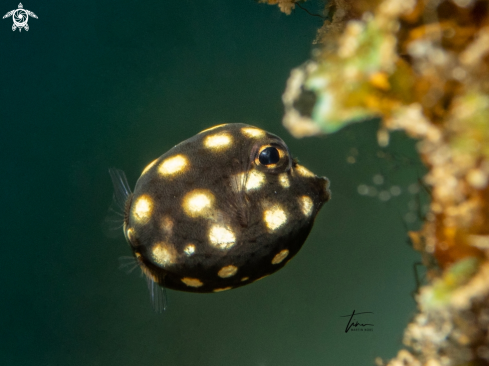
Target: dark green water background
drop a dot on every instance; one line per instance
(96, 84)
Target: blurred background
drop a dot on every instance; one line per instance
(99, 84)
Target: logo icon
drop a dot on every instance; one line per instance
(20, 17)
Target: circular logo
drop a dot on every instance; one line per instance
(20, 18)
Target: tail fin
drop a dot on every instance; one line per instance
(114, 221)
(113, 225)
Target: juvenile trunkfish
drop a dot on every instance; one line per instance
(218, 211)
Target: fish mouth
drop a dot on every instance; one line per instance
(324, 191)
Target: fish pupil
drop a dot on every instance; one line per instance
(269, 156)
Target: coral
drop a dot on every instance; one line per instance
(286, 6)
(451, 327)
(422, 66)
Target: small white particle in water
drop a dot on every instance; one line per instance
(384, 196)
(413, 205)
(413, 188)
(372, 191)
(410, 217)
(351, 160)
(362, 189)
(378, 179)
(395, 190)
(383, 137)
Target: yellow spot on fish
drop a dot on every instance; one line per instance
(198, 202)
(304, 172)
(275, 218)
(175, 164)
(280, 256)
(227, 271)
(147, 272)
(221, 237)
(218, 141)
(306, 205)
(251, 181)
(143, 208)
(167, 225)
(245, 279)
(222, 289)
(252, 132)
(192, 282)
(164, 254)
(284, 180)
(213, 128)
(149, 166)
(255, 180)
(189, 249)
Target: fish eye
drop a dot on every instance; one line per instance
(269, 155)
(273, 157)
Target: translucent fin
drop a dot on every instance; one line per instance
(237, 197)
(114, 221)
(239, 201)
(157, 295)
(121, 187)
(156, 292)
(128, 264)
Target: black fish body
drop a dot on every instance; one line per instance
(222, 209)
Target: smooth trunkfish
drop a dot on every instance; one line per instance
(218, 211)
